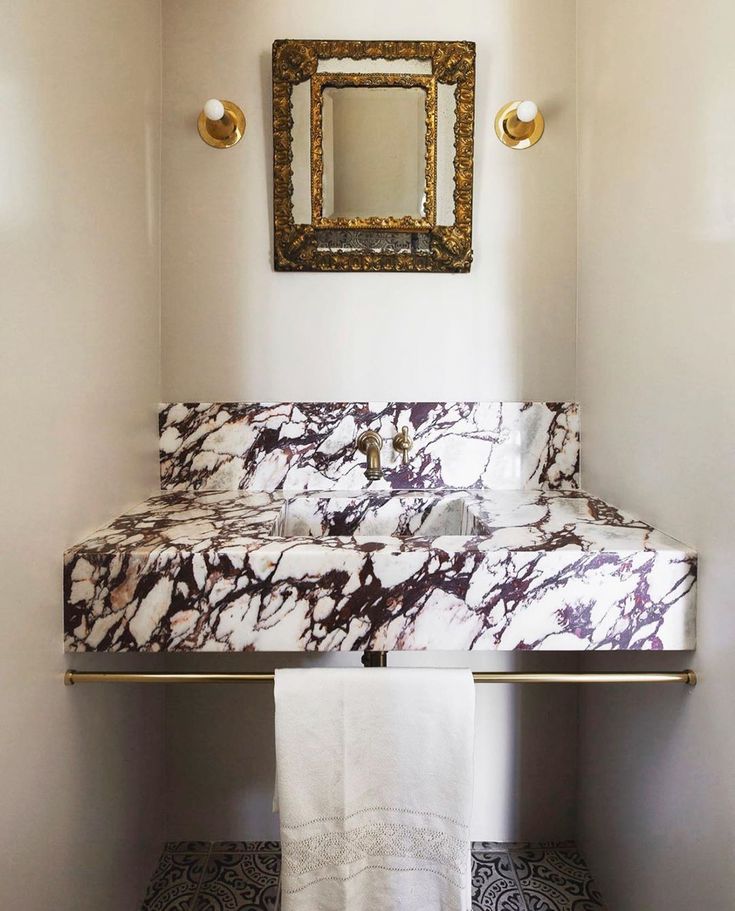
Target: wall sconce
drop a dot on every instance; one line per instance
(519, 124)
(221, 124)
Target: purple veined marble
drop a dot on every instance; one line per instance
(311, 445)
(385, 570)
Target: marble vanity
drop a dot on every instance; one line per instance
(267, 536)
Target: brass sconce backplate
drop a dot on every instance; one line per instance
(513, 132)
(225, 133)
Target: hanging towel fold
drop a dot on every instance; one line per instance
(375, 788)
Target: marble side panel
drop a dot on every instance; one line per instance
(311, 445)
(503, 570)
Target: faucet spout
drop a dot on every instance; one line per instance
(373, 472)
(370, 443)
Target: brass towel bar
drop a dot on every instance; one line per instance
(688, 677)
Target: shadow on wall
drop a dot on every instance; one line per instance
(221, 754)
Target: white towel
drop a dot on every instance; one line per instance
(375, 788)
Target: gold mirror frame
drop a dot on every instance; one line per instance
(296, 245)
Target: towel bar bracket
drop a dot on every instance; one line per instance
(375, 659)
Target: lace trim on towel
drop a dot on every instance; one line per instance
(378, 839)
(302, 825)
(458, 885)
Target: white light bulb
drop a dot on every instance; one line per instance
(526, 111)
(214, 109)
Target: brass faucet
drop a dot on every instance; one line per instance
(370, 443)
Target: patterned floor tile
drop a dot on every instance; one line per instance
(245, 876)
(555, 879)
(488, 847)
(175, 882)
(485, 847)
(246, 847)
(187, 847)
(494, 885)
(239, 882)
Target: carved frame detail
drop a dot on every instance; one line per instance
(296, 246)
(319, 82)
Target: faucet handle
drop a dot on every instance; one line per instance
(402, 442)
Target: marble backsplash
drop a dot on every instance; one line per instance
(311, 445)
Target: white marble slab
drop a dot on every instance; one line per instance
(531, 569)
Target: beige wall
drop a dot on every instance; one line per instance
(235, 330)
(80, 800)
(656, 379)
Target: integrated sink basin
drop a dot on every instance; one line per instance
(378, 570)
(399, 515)
(471, 533)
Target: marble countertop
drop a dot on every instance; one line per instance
(522, 569)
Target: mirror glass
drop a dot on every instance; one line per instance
(374, 152)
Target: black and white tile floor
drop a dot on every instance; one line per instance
(243, 876)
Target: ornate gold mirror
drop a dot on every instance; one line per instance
(372, 155)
